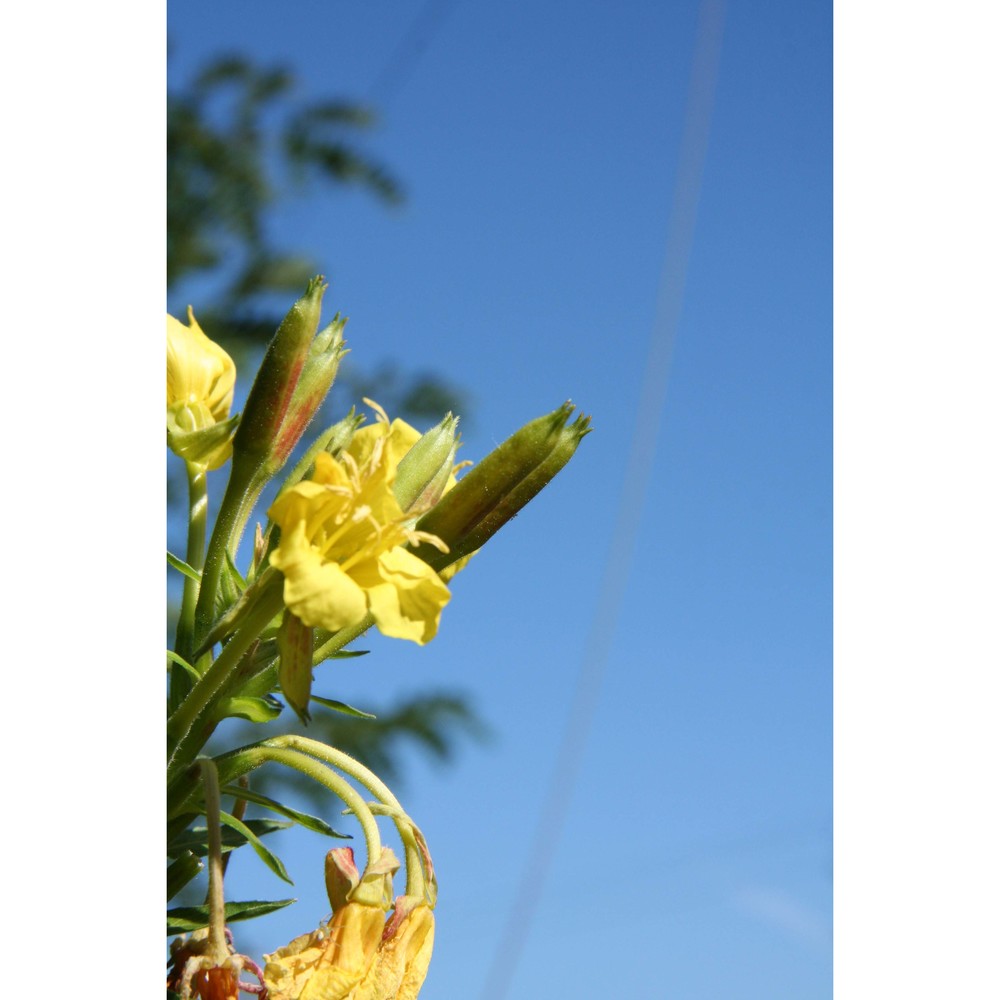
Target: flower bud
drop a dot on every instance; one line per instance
(317, 376)
(200, 379)
(423, 473)
(500, 485)
(278, 376)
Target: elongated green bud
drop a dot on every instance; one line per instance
(498, 487)
(278, 376)
(314, 383)
(423, 473)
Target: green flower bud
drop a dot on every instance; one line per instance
(317, 376)
(423, 474)
(278, 377)
(498, 487)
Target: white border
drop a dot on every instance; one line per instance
(916, 500)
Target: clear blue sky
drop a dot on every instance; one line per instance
(538, 145)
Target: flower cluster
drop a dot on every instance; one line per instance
(368, 529)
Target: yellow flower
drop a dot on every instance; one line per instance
(358, 955)
(200, 380)
(342, 536)
(403, 955)
(327, 964)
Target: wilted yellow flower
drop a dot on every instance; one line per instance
(200, 380)
(342, 536)
(327, 964)
(358, 955)
(330, 963)
(403, 955)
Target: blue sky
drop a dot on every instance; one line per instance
(538, 145)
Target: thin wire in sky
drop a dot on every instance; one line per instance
(680, 234)
(404, 57)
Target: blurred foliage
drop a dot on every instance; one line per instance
(239, 142)
(237, 139)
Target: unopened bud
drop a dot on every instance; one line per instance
(314, 383)
(500, 485)
(278, 376)
(423, 474)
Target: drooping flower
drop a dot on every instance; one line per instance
(342, 542)
(200, 380)
(358, 954)
(403, 955)
(330, 963)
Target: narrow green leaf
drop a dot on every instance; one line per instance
(252, 709)
(184, 919)
(231, 585)
(313, 823)
(181, 662)
(183, 567)
(271, 860)
(185, 868)
(339, 706)
(196, 839)
(238, 577)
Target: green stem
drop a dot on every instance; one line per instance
(374, 784)
(202, 697)
(243, 761)
(340, 639)
(218, 950)
(238, 502)
(195, 556)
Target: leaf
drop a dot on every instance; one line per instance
(196, 839)
(185, 868)
(295, 667)
(339, 706)
(313, 823)
(231, 585)
(184, 919)
(251, 709)
(181, 662)
(271, 860)
(237, 575)
(182, 567)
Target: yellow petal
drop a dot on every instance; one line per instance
(317, 592)
(327, 965)
(408, 597)
(400, 965)
(198, 370)
(399, 437)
